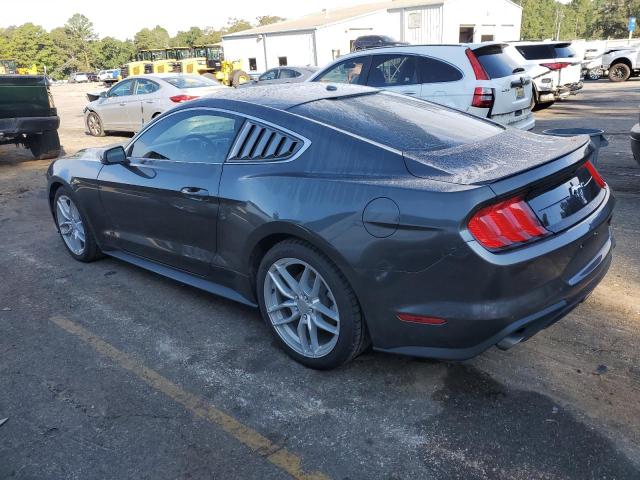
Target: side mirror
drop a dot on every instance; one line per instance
(103, 94)
(114, 156)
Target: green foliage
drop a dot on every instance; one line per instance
(157, 37)
(268, 20)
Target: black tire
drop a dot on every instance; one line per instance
(91, 250)
(44, 145)
(352, 337)
(94, 125)
(239, 77)
(619, 72)
(541, 106)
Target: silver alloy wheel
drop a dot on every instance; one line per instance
(301, 307)
(70, 225)
(93, 123)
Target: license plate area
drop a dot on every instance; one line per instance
(567, 203)
(519, 93)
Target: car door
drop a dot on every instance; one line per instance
(163, 204)
(395, 72)
(112, 109)
(444, 83)
(148, 93)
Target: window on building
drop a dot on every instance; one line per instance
(466, 33)
(253, 65)
(336, 53)
(282, 61)
(486, 38)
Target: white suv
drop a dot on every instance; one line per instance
(476, 78)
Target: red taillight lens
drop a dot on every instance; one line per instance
(506, 223)
(408, 317)
(182, 98)
(555, 65)
(478, 69)
(482, 97)
(595, 175)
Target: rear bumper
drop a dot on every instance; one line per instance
(489, 299)
(635, 142)
(525, 121)
(10, 127)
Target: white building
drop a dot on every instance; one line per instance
(318, 38)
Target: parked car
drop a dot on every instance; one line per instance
(622, 63)
(635, 142)
(350, 216)
(108, 77)
(28, 115)
(561, 59)
(92, 77)
(282, 75)
(476, 78)
(374, 41)
(544, 89)
(78, 77)
(133, 102)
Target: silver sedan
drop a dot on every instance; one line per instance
(133, 102)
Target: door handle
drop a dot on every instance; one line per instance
(148, 101)
(122, 104)
(195, 193)
(409, 93)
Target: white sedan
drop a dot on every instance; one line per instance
(136, 100)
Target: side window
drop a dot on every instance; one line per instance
(436, 71)
(347, 71)
(288, 73)
(536, 52)
(121, 89)
(392, 71)
(144, 86)
(188, 136)
(269, 75)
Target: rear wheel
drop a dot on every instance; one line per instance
(619, 72)
(310, 306)
(44, 145)
(239, 77)
(73, 227)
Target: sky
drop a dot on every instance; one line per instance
(123, 18)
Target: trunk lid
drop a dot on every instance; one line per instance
(494, 158)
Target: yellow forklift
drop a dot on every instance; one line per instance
(8, 66)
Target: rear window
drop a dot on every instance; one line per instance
(190, 81)
(564, 50)
(496, 62)
(536, 52)
(399, 122)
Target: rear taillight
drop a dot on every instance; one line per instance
(482, 97)
(555, 65)
(505, 224)
(595, 175)
(478, 69)
(182, 98)
(422, 319)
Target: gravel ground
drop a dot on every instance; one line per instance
(109, 371)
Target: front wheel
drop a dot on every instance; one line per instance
(239, 77)
(94, 125)
(619, 72)
(310, 306)
(73, 227)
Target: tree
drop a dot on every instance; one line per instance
(79, 29)
(30, 44)
(612, 16)
(157, 37)
(193, 36)
(110, 52)
(236, 25)
(269, 19)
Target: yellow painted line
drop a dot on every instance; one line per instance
(261, 445)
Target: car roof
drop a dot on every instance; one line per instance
(285, 96)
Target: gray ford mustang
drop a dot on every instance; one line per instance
(350, 216)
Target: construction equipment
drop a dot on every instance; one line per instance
(9, 66)
(148, 61)
(209, 61)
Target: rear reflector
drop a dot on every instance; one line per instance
(478, 69)
(182, 98)
(505, 224)
(595, 175)
(407, 317)
(482, 97)
(556, 65)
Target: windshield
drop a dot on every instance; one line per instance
(7, 66)
(214, 53)
(159, 55)
(190, 81)
(399, 122)
(496, 61)
(182, 54)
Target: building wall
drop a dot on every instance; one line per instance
(499, 18)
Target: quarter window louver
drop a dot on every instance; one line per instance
(258, 142)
